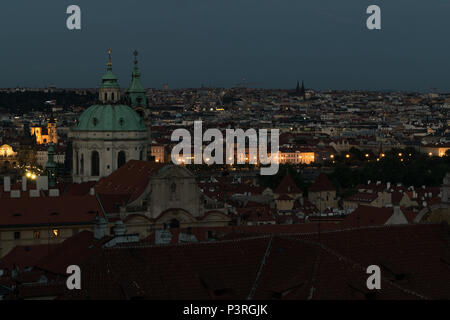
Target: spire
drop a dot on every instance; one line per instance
(303, 91)
(136, 92)
(109, 89)
(135, 57)
(136, 73)
(109, 64)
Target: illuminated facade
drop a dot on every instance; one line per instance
(46, 135)
(296, 157)
(159, 152)
(7, 151)
(438, 150)
(8, 158)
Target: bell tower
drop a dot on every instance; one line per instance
(136, 93)
(109, 91)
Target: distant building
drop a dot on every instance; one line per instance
(159, 152)
(45, 135)
(42, 156)
(322, 193)
(8, 158)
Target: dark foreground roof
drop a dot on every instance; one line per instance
(414, 262)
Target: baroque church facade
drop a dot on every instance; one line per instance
(110, 144)
(110, 132)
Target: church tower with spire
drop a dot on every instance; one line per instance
(107, 134)
(137, 97)
(109, 90)
(136, 93)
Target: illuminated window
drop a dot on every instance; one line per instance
(36, 234)
(55, 233)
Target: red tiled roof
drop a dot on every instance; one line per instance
(73, 251)
(48, 210)
(79, 189)
(287, 185)
(26, 256)
(368, 216)
(131, 178)
(413, 258)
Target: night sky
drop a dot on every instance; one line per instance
(189, 43)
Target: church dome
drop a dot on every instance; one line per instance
(110, 118)
(110, 115)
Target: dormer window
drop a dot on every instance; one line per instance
(95, 121)
(121, 122)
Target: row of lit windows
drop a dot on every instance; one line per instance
(55, 233)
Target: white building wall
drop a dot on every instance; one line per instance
(108, 144)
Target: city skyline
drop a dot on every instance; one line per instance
(271, 45)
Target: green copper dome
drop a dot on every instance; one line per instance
(110, 118)
(111, 115)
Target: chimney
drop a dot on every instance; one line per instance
(42, 183)
(34, 193)
(53, 193)
(15, 194)
(388, 185)
(100, 225)
(92, 191)
(24, 183)
(7, 184)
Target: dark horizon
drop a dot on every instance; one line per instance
(270, 43)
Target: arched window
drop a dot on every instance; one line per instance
(140, 155)
(112, 96)
(95, 164)
(82, 164)
(106, 96)
(121, 159)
